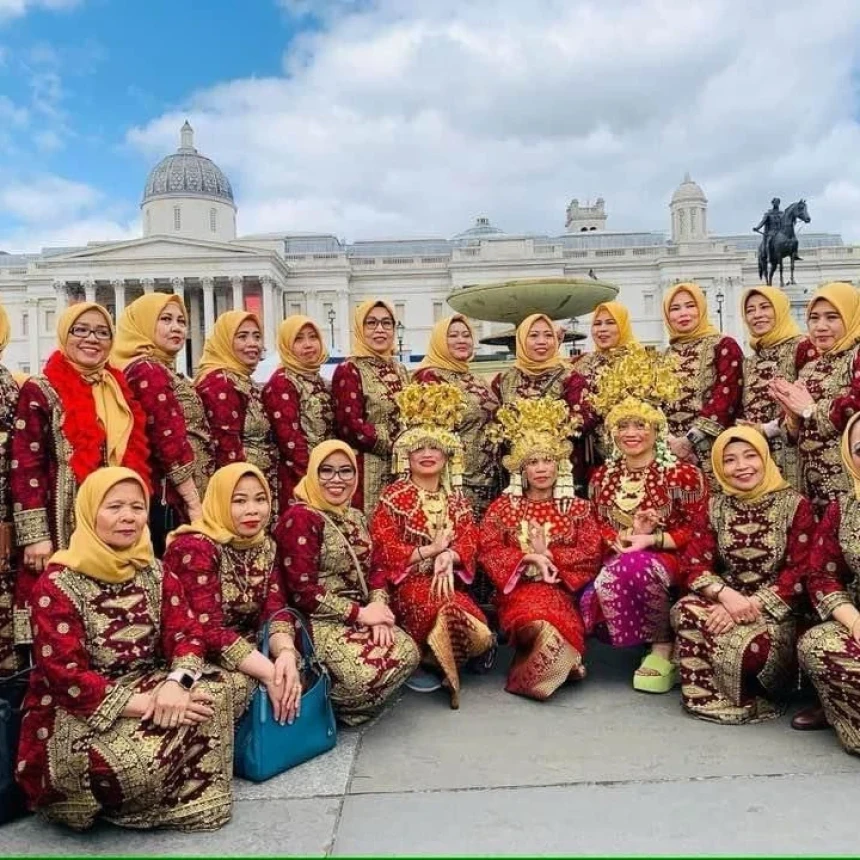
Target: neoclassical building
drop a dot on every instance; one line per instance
(189, 246)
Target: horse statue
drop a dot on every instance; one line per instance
(781, 243)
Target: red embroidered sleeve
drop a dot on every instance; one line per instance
(595, 486)
(496, 385)
(804, 353)
(391, 553)
(698, 558)
(283, 408)
(171, 452)
(299, 536)
(577, 392)
(225, 410)
(182, 637)
(194, 560)
(689, 503)
(499, 558)
(720, 404)
(465, 542)
(579, 562)
(840, 409)
(349, 412)
(828, 570)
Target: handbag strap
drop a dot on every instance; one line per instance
(358, 571)
(307, 644)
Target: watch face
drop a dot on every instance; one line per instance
(187, 681)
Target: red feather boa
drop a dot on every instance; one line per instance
(82, 427)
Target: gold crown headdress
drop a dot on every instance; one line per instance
(636, 385)
(429, 414)
(533, 427)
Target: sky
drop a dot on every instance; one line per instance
(394, 118)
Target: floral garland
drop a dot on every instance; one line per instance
(81, 426)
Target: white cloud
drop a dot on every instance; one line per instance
(73, 234)
(47, 200)
(406, 118)
(16, 8)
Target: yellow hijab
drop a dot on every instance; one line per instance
(784, 326)
(622, 319)
(704, 326)
(847, 461)
(438, 354)
(111, 408)
(87, 552)
(5, 330)
(309, 489)
(361, 347)
(217, 521)
(772, 480)
(529, 365)
(218, 351)
(287, 334)
(135, 330)
(845, 298)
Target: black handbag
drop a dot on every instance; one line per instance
(12, 692)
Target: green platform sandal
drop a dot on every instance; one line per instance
(666, 678)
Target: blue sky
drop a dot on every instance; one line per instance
(382, 118)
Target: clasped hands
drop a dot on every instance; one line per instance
(170, 705)
(641, 534)
(380, 619)
(540, 558)
(732, 608)
(794, 397)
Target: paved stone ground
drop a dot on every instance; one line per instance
(597, 769)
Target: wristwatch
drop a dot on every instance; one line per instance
(185, 679)
(807, 413)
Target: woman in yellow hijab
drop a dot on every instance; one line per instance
(830, 652)
(827, 392)
(108, 680)
(233, 401)
(452, 347)
(364, 388)
(778, 350)
(151, 333)
(225, 560)
(78, 416)
(297, 400)
(710, 367)
(326, 550)
(736, 630)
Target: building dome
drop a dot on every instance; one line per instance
(689, 191)
(187, 173)
(482, 228)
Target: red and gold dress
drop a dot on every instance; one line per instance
(761, 549)
(323, 583)
(366, 416)
(539, 619)
(301, 413)
(828, 653)
(711, 372)
(833, 380)
(481, 455)
(96, 645)
(629, 601)
(232, 591)
(238, 424)
(784, 360)
(58, 441)
(453, 628)
(9, 662)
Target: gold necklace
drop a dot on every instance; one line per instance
(630, 492)
(435, 507)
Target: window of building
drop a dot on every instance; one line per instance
(438, 310)
(24, 366)
(400, 312)
(50, 317)
(177, 217)
(25, 324)
(148, 221)
(295, 309)
(213, 220)
(648, 304)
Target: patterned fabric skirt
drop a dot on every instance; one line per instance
(454, 629)
(364, 676)
(9, 658)
(542, 623)
(134, 774)
(629, 601)
(735, 677)
(831, 657)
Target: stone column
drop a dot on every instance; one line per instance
(148, 285)
(178, 286)
(62, 299)
(194, 327)
(343, 322)
(90, 290)
(118, 285)
(267, 284)
(208, 285)
(238, 284)
(33, 335)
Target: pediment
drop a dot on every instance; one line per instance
(157, 248)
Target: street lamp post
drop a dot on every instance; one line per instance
(400, 329)
(332, 316)
(720, 299)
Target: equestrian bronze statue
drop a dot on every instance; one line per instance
(779, 240)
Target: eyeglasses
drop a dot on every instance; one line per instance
(329, 473)
(386, 324)
(82, 331)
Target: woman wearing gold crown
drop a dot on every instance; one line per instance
(540, 545)
(710, 367)
(778, 350)
(827, 392)
(425, 539)
(647, 504)
(745, 566)
(452, 346)
(364, 388)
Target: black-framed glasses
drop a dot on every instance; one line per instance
(329, 473)
(386, 324)
(83, 331)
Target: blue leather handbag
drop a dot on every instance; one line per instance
(264, 747)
